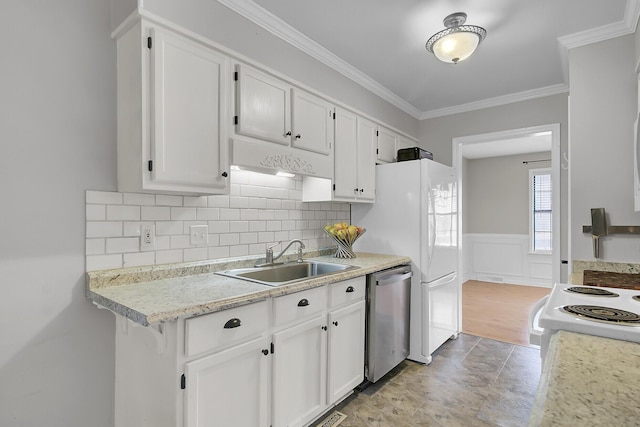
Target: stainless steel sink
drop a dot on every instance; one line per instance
(284, 274)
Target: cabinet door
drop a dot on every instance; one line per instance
(299, 373)
(366, 160)
(189, 146)
(263, 106)
(312, 122)
(387, 141)
(346, 350)
(345, 172)
(229, 388)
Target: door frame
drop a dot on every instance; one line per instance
(460, 142)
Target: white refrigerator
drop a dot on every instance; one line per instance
(415, 214)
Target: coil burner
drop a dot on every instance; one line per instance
(603, 314)
(597, 292)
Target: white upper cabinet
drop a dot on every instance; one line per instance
(271, 110)
(173, 97)
(312, 123)
(355, 158)
(387, 142)
(263, 106)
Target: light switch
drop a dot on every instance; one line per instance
(199, 235)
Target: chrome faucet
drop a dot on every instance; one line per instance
(270, 259)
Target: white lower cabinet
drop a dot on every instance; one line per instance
(229, 388)
(299, 372)
(279, 362)
(346, 350)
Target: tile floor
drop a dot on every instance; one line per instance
(471, 381)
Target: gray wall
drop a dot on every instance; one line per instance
(496, 193)
(58, 132)
(603, 109)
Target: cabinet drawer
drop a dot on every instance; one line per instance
(299, 305)
(206, 333)
(347, 291)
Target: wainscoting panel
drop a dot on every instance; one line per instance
(504, 258)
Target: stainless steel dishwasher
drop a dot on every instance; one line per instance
(387, 340)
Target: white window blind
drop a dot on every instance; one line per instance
(540, 187)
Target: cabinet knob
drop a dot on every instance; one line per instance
(355, 190)
(288, 133)
(265, 351)
(233, 323)
(361, 190)
(303, 302)
(224, 174)
(324, 328)
(298, 136)
(350, 289)
(335, 323)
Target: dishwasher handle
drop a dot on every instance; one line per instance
(394, 278)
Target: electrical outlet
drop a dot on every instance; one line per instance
(199, 235)
(147, 236)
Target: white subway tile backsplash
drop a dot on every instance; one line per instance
(168, 200)
(95, 246)
(239, 250)
(229, 214)
(123, 245)
(96, 212)
(155, 213)
(103, 262)
(184, 214)
(104, 229)
(229, 239)
(196, 254)
(123, 213)
(238, 226)
(238, 202)
(171, 256)
(103, 197)
(198, 202)
(139, 199)
(259, 211)
(138, 259)
(208, 214)
(218, 201)
(219, 226)
(167, 228)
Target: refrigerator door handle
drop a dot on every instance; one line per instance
(438, 284)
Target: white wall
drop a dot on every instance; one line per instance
(603, 106)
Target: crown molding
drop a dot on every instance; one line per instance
(261, 17)
(497, 101)
(281, 29)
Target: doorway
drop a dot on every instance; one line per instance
(516, 141)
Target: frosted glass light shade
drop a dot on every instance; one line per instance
(456, 46)
(457, 41)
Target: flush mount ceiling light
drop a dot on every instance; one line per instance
(457, 41)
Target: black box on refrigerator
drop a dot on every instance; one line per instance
(413, 153)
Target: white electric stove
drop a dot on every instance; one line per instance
(599, 311)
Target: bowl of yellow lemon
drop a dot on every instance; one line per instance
(344, 235)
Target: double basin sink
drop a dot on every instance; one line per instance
(284, 274)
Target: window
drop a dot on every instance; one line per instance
(540, 210)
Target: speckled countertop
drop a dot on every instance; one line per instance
(588, 381)
(155, 294)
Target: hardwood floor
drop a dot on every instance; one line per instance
(499, 311)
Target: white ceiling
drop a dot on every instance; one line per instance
(535, 143)
(380, 45)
